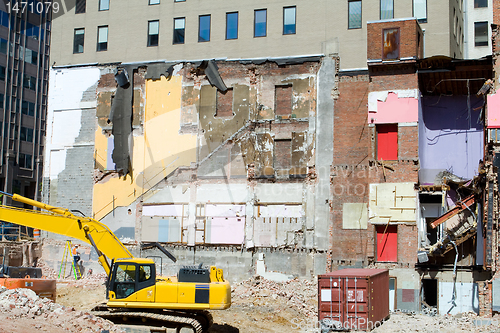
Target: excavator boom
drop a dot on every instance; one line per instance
(62, 221)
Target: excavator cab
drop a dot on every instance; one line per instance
(128, 277)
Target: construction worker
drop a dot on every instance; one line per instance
(76, 255)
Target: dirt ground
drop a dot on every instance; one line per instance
(258, 306)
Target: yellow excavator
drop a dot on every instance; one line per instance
(135, 294)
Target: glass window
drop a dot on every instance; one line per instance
(26, 134)
(179, 30)
(144, 273)
(480, 33)
(420, 10)
(386, 9)
(179, 0)
(103, 4)
(204, 28)
(480, 3)
(124, 283)
(78, 40)
(153, 33)
(391, 44)
(232, 25)
(80, 6)
(354, 14)
(154, 2)
(5, 19)
(3, 46)
(260, 23)
(25, 161)
(102, 38)
(289, 20)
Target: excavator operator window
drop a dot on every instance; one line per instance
(124, 284)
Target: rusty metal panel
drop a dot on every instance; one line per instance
(42, 287)
(353, 298)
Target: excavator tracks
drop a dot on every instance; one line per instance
(198, 322)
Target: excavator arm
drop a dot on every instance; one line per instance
(61, 221)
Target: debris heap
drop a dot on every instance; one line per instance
(300, 295)
(24, 303)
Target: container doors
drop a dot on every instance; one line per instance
(343, 303)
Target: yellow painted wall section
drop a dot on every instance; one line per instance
(101, 148)
(156, 154)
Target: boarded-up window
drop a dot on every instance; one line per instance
(225, 103)
(283, 101)
(392, 203)
(387, 243)
(387, 142)
(391, 44)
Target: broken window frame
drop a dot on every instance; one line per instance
(78, 41)
(259, 26)
(289, 16)
(204, 22)
(103, 5)
(80, 6)
(481, 33)
(179, 33)
(102, 38)
(386, 9)
(420, 10)
(152, 41)
(232, 25)
(480, 3)
(355, 22)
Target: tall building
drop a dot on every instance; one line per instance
(478, 17)
(110, 31)
(24, 73)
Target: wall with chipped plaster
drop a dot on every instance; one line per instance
(392, 107)
(156, 153)
(69, 152)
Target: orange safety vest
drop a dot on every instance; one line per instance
(74, 251)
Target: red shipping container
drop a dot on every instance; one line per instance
(353, 298)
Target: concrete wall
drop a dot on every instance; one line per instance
(321, 29)
(472, 15)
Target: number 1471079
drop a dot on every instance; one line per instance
(32, 6)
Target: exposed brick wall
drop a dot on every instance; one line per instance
(351, 144)
(355, 167)
(282, 154)
(408, 142)
(225, 103)
(407, 244)
(410, 38)
(496, 11)
(283, 100)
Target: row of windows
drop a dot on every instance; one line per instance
(28, 29)
(25, 54)
(386, 12)
(204, 27)
(81, 5)
(29, 82)
(27, 108)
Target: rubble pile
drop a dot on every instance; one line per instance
(464, 322)
(47, 271)
(24, 303)
(300, 295)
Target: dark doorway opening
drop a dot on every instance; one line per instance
(430, 291)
